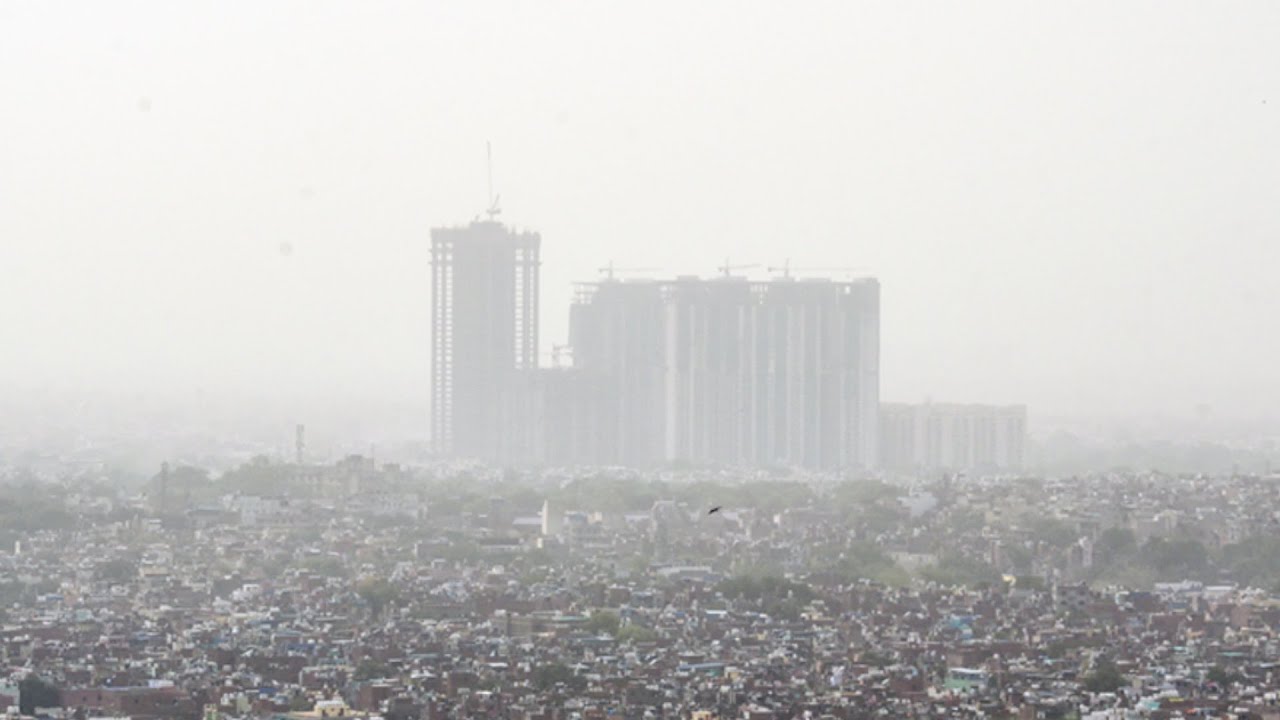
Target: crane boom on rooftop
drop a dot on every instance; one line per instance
(786, 269)
(608, 271)
(727, 268)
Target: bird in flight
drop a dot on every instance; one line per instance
(714, 510)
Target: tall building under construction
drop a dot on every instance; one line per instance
(729, 371)
(484, 334)
(721, 371)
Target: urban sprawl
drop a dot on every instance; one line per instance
(278, 590)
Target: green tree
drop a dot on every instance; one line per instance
(325, 565)
(175, 490)
(767, 587)
(861, 560)
(955, 569)
(31, 507)
(773, 595)
(1034, 583)
(1114, 542)
(603, 623)
(1222, 676)
(1018, 557)
(548, 676)
(1254, 561)
(962, 520)
(377, 594)
(34, 692)
(875, 659)
(261, 477)
(1175, 559)
(117, 570)
(865, 492)
(636, 634)
(608, 493)
(1105, 677)
(1052, 531)
(370, 669)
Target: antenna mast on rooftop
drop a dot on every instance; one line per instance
(493, 210)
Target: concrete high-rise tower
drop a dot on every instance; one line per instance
(616, 328)
(730, 371)
(484, 332)
(815, 367)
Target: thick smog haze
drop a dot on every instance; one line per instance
(561, 360)
(1069, 205)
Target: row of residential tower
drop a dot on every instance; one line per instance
(704, 371)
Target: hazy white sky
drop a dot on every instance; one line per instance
(1072, 205)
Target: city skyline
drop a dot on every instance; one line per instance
(725, 371)
(1083, 222)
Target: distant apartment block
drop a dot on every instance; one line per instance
(729, 371)
(721, 371)
(617, 330)
(550, 418)
(951, 437)
(484, 334)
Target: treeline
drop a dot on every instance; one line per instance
(1119, 558)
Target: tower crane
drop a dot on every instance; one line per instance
(729, 267)
(785, 269)
(609, 270)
